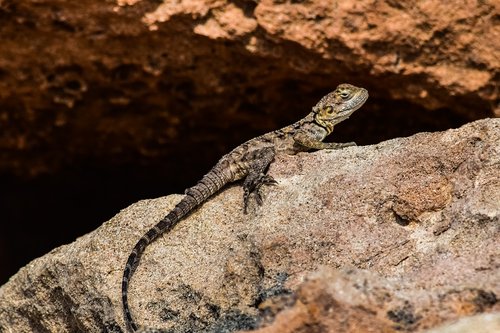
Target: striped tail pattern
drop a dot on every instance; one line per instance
(196, 195)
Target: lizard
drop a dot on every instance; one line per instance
(249, 162)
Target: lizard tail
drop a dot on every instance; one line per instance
(208, 185)
(166, 224)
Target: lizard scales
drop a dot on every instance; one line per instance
(249, 161)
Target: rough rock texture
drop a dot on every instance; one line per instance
(484, 323)
(399, 236)
(127, 80)
(359, 301)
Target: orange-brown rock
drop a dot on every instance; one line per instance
(356, 301)
(126, 80)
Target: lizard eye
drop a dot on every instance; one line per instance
(344, 94)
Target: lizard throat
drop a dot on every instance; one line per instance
(326, 125)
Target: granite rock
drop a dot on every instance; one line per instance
(398, 236)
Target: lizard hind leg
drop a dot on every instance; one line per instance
(259, 161)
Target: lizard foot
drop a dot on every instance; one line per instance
(347, 144)
(335, 145)
(253, 185)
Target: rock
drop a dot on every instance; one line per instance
(360, 301)
(483, 323)
(398, 236)
(123, 80)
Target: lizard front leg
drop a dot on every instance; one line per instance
(308, 141)
(256, 177)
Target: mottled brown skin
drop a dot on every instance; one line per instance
(250, 161)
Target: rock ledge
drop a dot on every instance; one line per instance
(398, 236)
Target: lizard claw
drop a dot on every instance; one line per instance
(258, 198)
(246, 196)
(268, 180)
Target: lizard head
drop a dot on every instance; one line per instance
(339, 105)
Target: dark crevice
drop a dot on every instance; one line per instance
(401, 220)
(247, 6)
